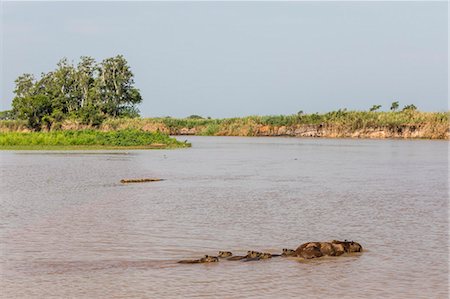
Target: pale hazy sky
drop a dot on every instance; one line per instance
(243, 58)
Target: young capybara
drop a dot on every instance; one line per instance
(205, 259)
(288, 252)
(225, 254)
(251, 255)
(266, 255)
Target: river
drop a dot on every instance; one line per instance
(70, 229)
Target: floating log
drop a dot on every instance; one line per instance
(125, 181)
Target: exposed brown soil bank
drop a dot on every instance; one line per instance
(330, 131)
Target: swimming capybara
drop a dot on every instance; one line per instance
(316, 249)
(205, 259)
(253, 256)
(288, 252)
(266, 255)
(333, 248)
(224, 254)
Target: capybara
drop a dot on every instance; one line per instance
(288, 252)
(205, 259)
(225, 254)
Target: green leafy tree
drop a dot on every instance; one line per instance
(375, 107)
(25, 85)
(64, 86)
(90, 115)
(35, 109)
(89, 92)
(85, 79)
(7, 115)
(394, 106)
(194, 116)
(411, 107)
(115, 86)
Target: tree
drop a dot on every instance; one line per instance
(64, 87)
(24, 85)
(375, 107)
(394, 106)
(115, 86)
(89, 92)
(85, 78)
(35, 109)
(7, 115)
(411, 107)
(194, 116)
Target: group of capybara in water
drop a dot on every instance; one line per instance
(308, 250)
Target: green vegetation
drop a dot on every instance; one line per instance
(408, 122)
(375, 108)
(394, 106)
(89, 93)
(86, 139)
(343, 123)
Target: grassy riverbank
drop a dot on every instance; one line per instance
(341, 123)
(88, 139)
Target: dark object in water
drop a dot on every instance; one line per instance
(236, 258)
(252, 259)
(125, 181)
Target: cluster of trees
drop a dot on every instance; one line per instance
(89, 92)
(394, 107)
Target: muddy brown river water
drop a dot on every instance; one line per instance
(70, 229)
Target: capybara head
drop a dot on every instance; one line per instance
(209, 259)
(287, 252)
(253, 254)
(355, 247)
(266, 255)
(225, 254)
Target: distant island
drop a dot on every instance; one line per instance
(95, 105)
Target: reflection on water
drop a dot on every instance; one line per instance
(69, 229)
